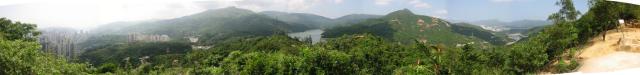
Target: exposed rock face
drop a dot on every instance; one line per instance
(421, 24)
(395, 20)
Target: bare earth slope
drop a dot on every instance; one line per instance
(619, 52)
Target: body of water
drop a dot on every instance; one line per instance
(315, 35)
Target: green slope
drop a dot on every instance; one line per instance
(304, 19)
(407, 27)
(219, 24)
(353, 19)
(226, 20)
(476, 31)
(316, 21)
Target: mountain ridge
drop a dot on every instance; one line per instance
(408, 27)
(217, 24)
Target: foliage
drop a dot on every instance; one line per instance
(553, 41)
(405, 27)
(413, 70)
(24, 58)
(21, 55)
(379, 29)
(10, 30)
(353, 54)
(604, 15)
(159, 52)
(567, 12)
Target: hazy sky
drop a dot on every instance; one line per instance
(82, 14)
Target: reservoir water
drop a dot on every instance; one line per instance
(315, 35)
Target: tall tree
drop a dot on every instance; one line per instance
(10, 30)
(20, 55)
(566, 13)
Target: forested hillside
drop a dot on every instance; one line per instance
(405, 26)
(486, 35)
(310, 20)
(316, 21)
(215, 24)
(353, 19)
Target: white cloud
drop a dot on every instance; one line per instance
(300, 4)
(440, 13)
(338, 1)
(382, 2)
(419, 4)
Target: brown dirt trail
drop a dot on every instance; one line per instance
(619, 51)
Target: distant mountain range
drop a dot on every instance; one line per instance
(304, 19)
(220, 24)
(515, 29)
(496, 25)
(231, 22)
(316, 21)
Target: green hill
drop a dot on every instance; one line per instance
(316, 21)
(226, 20)
(353, 19)
(476, 31)
(406, 27)
(304, 19)
(212, 24)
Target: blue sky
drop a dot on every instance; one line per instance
(465, 10)
(506, 10)
(82, 14)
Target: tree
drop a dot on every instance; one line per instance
(24, 58)
(603, 15)
(20, 54)
(10, 30)
(566, 13)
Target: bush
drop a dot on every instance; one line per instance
(24, 58)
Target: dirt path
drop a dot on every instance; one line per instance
(615, 54)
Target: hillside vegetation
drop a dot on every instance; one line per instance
(215, 25)
(404, 26)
